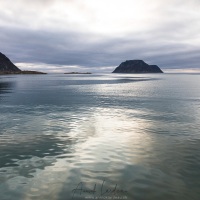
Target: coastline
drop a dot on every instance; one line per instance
(20, 72)
(78, 73)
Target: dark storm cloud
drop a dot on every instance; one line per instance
(71, 48)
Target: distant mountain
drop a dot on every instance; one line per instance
(137, 66)
(6, 66)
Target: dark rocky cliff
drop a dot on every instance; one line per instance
(137, 66)
(6, 65)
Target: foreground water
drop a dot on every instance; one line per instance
(134, 137)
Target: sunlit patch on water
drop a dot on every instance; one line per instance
(134, 137)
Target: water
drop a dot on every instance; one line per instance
(105, 136)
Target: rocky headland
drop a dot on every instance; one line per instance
(137, 66)
(7, 67)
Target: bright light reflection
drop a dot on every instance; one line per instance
(102, 135)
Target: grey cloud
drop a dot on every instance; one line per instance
(172, 41)
(89, 51)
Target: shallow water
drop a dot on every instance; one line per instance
(110, 136)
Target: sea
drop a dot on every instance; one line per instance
(100, 136)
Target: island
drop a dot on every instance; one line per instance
(7, 67)
(137, 66)
(77, 73)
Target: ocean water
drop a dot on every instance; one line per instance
(100, 136)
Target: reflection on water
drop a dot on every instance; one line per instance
(132, 139)
(5, 87)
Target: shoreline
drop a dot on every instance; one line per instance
(78, 73)
(21, 73)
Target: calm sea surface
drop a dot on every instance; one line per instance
(105, 136)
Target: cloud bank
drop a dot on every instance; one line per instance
(97, 35)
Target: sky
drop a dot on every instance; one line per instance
(97, 35)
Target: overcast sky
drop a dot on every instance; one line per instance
(97, 35)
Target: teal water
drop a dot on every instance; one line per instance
(105, 136)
